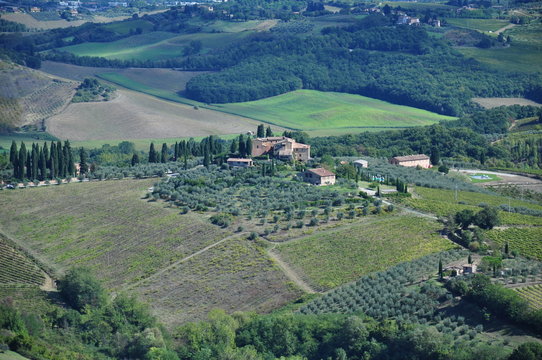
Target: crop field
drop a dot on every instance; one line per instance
(47, 101)
(154, 45)
(483, 25)
(236, 275)
(314, 110)
(133, 115)
(16, 267)
(526, 240)
(523, 55)
(331, 258)
(103, 225)
(238, 26)
(490, 103)
(533, 294)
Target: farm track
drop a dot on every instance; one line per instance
(504, 28)
(178, 262)
(290, 273)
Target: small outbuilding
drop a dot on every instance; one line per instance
(412, 161)
(469, 268)
(239, 162)
(361, 163)
(319, 176)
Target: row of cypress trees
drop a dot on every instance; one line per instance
(41, 163)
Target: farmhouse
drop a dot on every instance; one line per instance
(319, 176)
(361, 163)
(237, 162)
(281, 147)
(412, 160)
(469, 268)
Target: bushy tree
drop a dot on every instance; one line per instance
(79, 288)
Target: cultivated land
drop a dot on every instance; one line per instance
(334, 257)
(33, 23)
(133, 115)
(324, 112)
(124, 239)
(523, 55)
(484, 25)
(490, 103)
(155, 45)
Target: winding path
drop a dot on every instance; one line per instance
(290, 273)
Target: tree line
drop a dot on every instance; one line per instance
(42, 162)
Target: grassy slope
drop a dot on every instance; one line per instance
(123, 238)
(153, 45)
(478, 24)
(315, 110)
(331, 258)
(524, 54)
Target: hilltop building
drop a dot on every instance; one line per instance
(281, 147)
(412, 160)
(319, 176)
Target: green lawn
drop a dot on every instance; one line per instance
(331, 258)
(478, 24)
(311, 110)
(153, 45)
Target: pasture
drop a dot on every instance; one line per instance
(323, 112)
(523, 55)
(327, 259)
(156, 45)
(134, 115)
(482, 25)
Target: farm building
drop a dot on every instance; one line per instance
(469, 268)
(361, 163)
(319, 176)
(281, 147)
(237, 162)
(412, 160)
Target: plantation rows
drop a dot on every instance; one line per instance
(16, 268)
(533, 294)
(10, 113)
(385, 294)
(527, 241)
(47, 101)
(243, 192)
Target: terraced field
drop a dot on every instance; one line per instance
(533, 294)
(331, 258)
(16, 268)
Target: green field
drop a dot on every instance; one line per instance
(325, 112)
(478, 24)
(155, 45)
(331, 258)
(527, 241)
(10, 355)
(124, 27)
(523, 55)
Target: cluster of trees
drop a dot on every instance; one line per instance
(92, 90)
(45, 162)
(459, 227)
(500, 301)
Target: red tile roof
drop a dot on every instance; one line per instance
(321, 172)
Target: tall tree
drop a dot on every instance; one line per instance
(206, 156)
(22, 161)
(35, 160)
(135, 159)
(61, 170)
(13, 154)
(440, 268)
(435, 156)
(242, 146)
(42, 164)
(234, 146)
(152, 154)
(261, 131)
(15, 163)
(248, 147)
(164, 155)
(83, 166)
(71, 163)
(268, 132)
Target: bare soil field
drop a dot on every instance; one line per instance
(167, 79)
(490, 103)
(32, 23)
(134, 115)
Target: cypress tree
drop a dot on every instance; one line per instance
(261, 131)
(13, 154)
(176, 152)
(440, 268)
(234, 146)
(29, 165)
(53, 161)
(206, 158)
(42, 164)
(135, 159)
(45, 151)
(35, 160)
(152, 154)
(242, 146)
(60, 159)
(469, 259)
(248, 147)
(83, 166)
(268, 132)
(71, 162)
(506, 250)
(22, 161)
(15, 163)
(164, 156)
